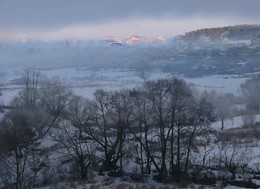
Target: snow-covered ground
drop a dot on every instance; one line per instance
(220, 83)
(237, 122)
(233, 122)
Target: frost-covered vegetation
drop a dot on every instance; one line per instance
(164, 131)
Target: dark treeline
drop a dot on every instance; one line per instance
(156, 128)
(241, 32)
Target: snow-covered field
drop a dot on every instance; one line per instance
(84, 81)
(220, 83)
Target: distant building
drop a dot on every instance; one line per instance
(159, 38)
(133, 39)
(113, 39)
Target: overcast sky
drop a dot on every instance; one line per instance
(58, 19)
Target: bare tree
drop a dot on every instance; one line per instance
(223, 104)
(112, 114)
(142, 130)
(233, 158)
(51, 98)
(80, 111)
(1, 100)
(203, 157)
(181, 102)
(200, 117)
(98, 129)
(37, 163)
(251, 92)
(79, 148)
(6, 171)
(159, 99)
(29, 94)
(122, 116)
(18, 137)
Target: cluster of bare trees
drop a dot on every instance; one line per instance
(36, 110)
(158, 128)
(155, 127)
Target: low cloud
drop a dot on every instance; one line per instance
(126, 28)
(98, 18)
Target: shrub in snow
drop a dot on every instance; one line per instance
(207, 178)
(243, 183)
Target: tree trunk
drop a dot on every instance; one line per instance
(178, 171)
(222, 123)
